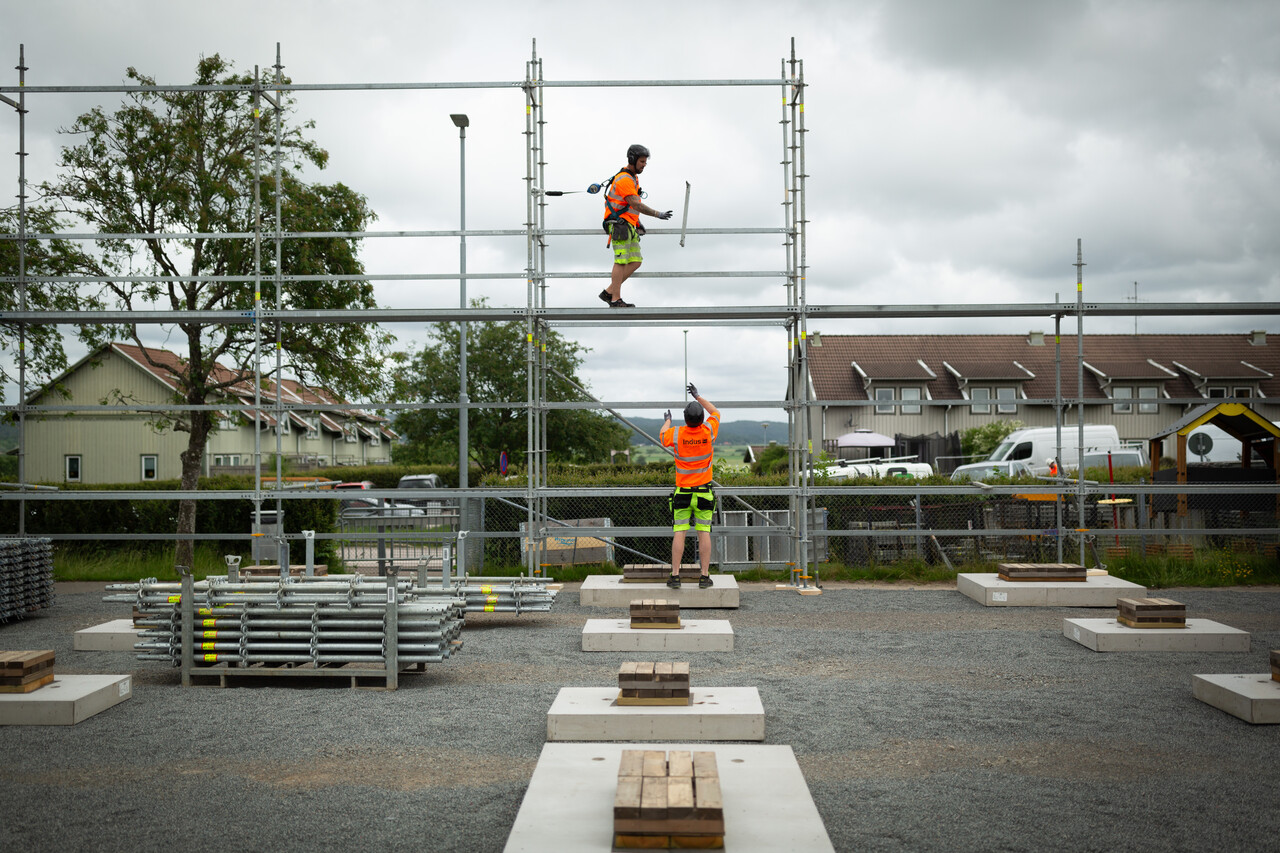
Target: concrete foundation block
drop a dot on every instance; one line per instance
(696, 635)
(65, 702)
(1200, 635)
(610, 591)
(568, 806)
(118, 635)
(1252, 698)
(1097, 591)
(714, 714)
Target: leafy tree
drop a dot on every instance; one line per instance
(57, 257)
(772, 460)
(979, 441)
(496, 372)
(184, 161)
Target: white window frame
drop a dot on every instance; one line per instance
(349, 434)
(66, 468)
(1242, 391)
(1147, 394)
(880, 397)
(906, 393)
(155, 467)
(313, 428)
(1214, 392)
(1006, 408)
(375, 437)
(284, 425)
(980, 408)
(228, 420)
(1122, 393)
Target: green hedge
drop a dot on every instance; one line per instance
(141, 518)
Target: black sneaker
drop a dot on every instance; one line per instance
(673, 581)
(618, 303)
(605, 297)
(704, 581)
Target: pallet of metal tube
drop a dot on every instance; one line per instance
(25, 671)
(654, 573)
(1048, 572)
(298, 622)
(646, 683)
(1151, 613)
(1275, 664)
(26, 577)
(655, 613)
(668, 800)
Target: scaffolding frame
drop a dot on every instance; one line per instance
(539, 318)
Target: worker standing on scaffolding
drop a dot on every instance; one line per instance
(693, 500)
(622, 206)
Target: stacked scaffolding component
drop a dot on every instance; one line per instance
(257, 627)
(499, 595)
(26, 577)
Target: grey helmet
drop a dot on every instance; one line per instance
(693, 414)
(635, 152)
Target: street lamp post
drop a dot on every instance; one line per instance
(686, 360)
(461, 122)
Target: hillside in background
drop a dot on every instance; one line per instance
(731, 432)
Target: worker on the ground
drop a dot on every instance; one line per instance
(693, 499)
(622, 206)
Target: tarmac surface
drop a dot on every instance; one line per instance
(921, 721)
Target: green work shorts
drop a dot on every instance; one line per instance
(626, 243)
(696, 505)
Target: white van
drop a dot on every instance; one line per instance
(1037, 445)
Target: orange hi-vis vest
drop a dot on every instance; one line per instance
(694, 451)
(615, 198)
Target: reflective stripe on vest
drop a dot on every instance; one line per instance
(614, 204)
(683, 460)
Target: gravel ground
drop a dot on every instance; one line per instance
(921, 720)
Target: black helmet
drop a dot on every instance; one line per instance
(693, 414)
(635, 152)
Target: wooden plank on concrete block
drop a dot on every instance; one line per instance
(680, 763)
(632, 763)
(704, 765)
(13, 663)
(679, 797)
(708, 804)
(626, 802)
(655, 762)
(653, 797)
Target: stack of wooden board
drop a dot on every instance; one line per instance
(653, 572)
(668, 800)
(1275, 664)
(655, 613)
(1151, 613)
(647, 683)
(1053, 572)
(23, 672)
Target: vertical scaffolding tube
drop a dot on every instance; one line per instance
(257, 306)
(531, 466)
(278, 239)
(22, 288)
(1080, 520)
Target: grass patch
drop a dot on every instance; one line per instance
(127, 565)
(1205, 569)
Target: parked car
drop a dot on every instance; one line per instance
(376, 508)
(1128, 457)
(983, 470)
(418, 483)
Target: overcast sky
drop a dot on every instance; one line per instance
(956, 150)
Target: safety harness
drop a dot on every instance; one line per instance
(615, 205)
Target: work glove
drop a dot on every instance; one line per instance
(693, 391)
(665, 215)
(667, 415)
